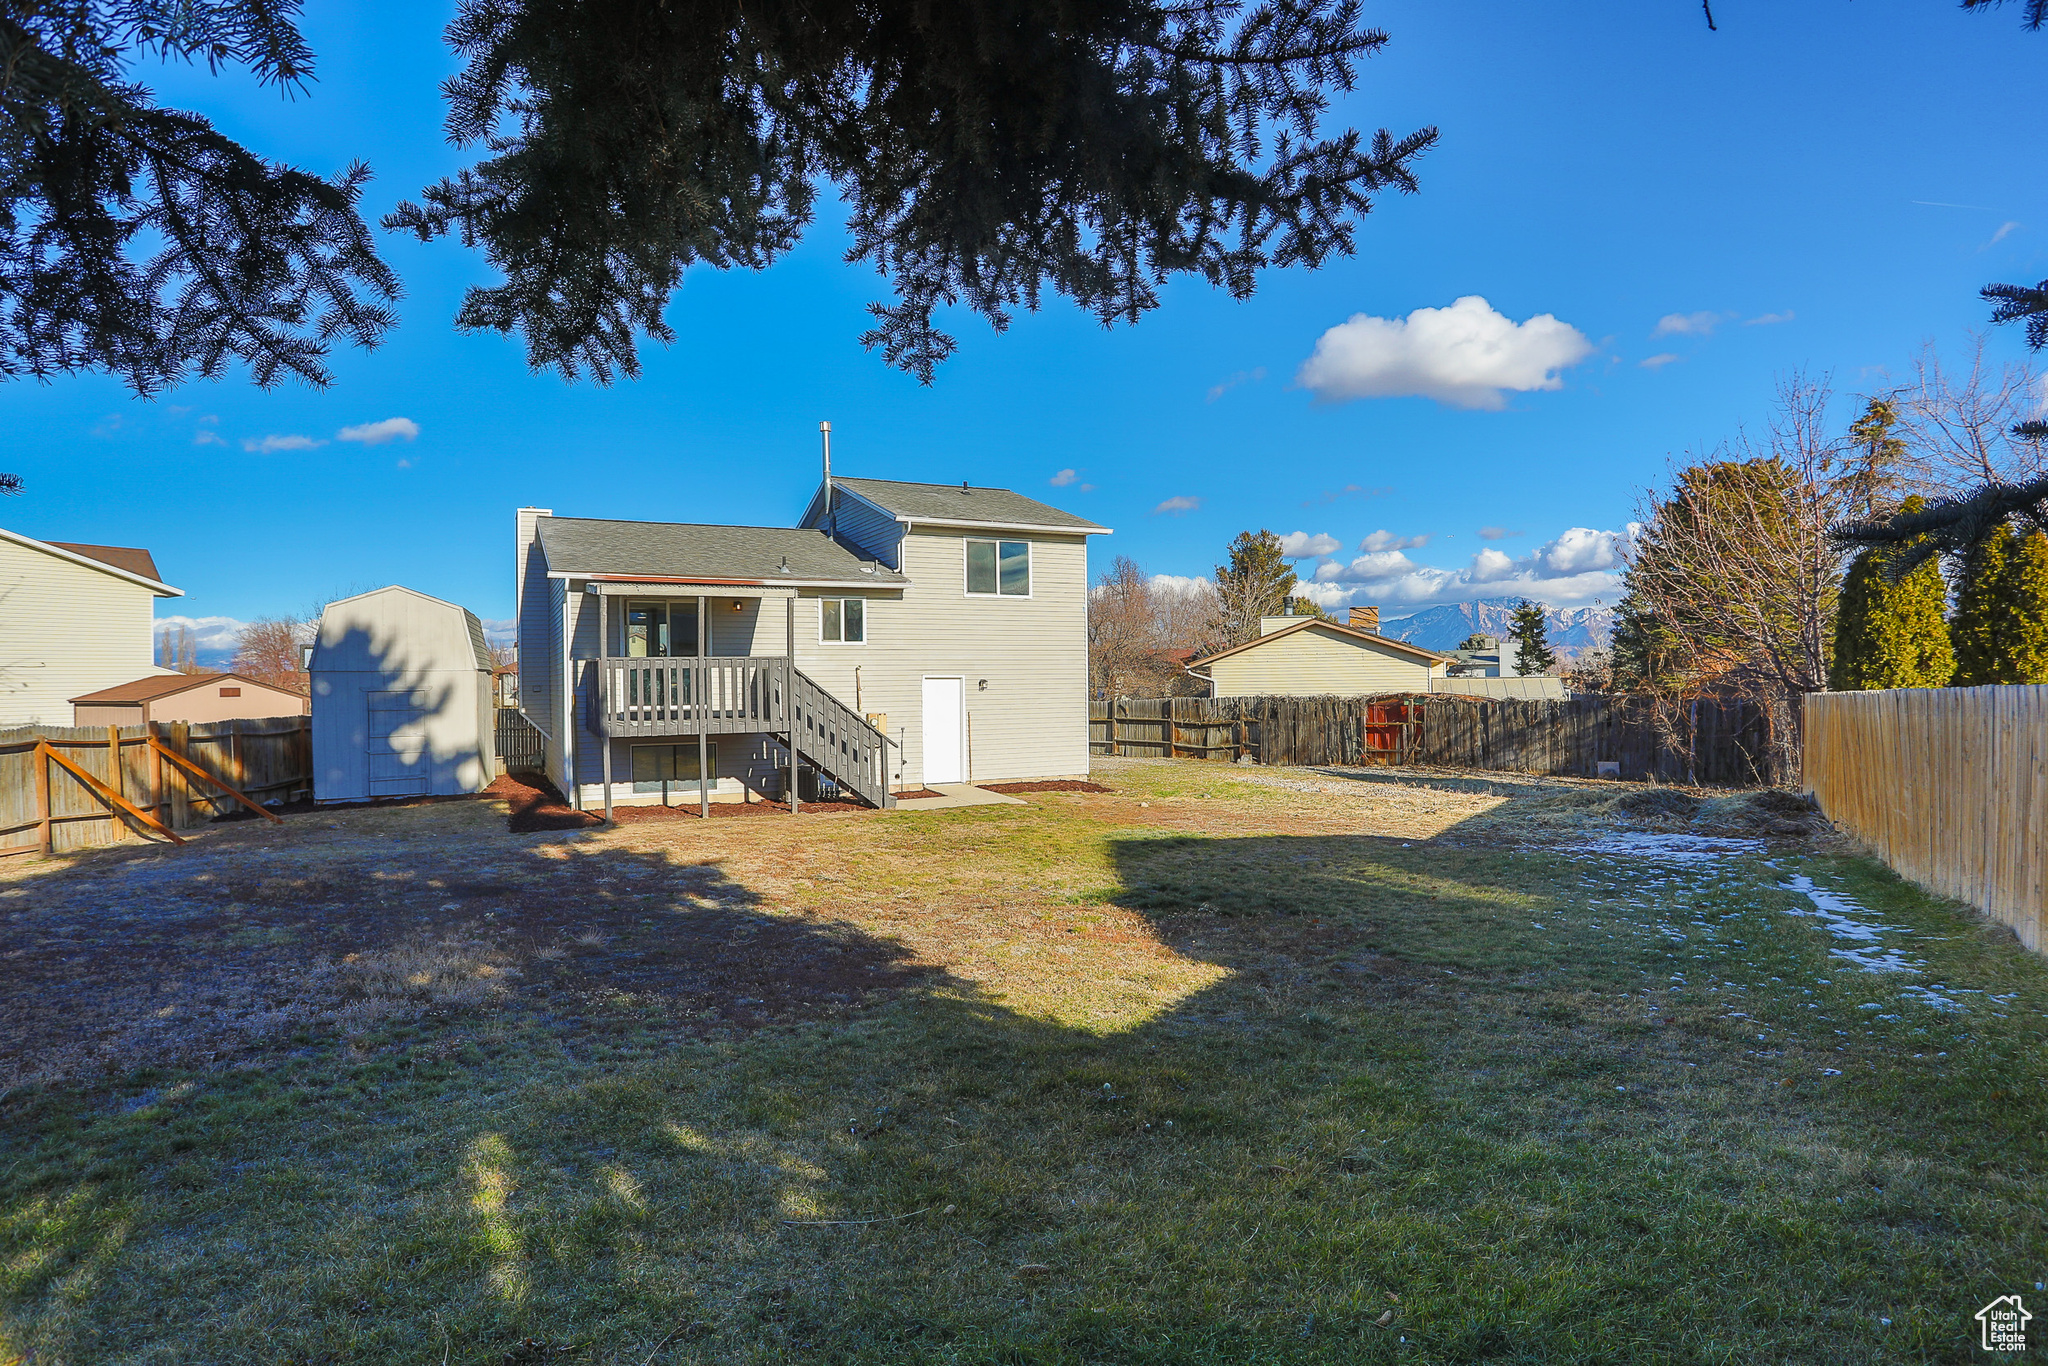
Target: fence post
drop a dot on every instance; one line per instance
(43, 833)
(181, 788)
(116, 780)
(159, 800)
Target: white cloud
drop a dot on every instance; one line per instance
(210, 635)
(1659, 361)
(1496, 533)
(2005, 230)
(1579, 550)
(1181, 583)
(1489, 565)
(207, 438)
(1217, 391)
(1465, 356)
(1063, 478)
(1387, 540)
(1297, 545)
(1573, 569)
(1766, 319)
(501, 632)
(271, 444)
(1177, 505)
(1369, 567)
(1686, 324)
(377, 433)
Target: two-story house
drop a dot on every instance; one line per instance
(73, 619)
(900, 635)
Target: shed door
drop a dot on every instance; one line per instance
(945, 724)
(398, 744)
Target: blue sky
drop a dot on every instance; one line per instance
(1823, 184)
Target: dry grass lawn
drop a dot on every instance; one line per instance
(1223, 1065)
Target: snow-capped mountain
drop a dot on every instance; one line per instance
(1445, 627)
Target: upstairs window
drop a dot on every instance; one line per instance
(999, 568)
(659, 630)
(843, 621)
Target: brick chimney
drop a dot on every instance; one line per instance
(1365, 619)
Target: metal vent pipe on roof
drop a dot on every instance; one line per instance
(825, 434)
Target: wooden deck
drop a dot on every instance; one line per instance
(648, 698)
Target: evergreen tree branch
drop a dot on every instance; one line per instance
(257, 262)
(989, 151)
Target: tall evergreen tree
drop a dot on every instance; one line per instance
(2001, 619)
(1256, 583)
(1529, 628)
(2027, 577)
(1891, 635)
(1975, 627)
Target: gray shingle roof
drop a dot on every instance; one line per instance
(952, 503)
(683, 550)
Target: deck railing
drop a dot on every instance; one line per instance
(739, 694)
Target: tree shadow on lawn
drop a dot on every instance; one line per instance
(1399, 1114)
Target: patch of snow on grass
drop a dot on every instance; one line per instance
(1671, 848)
(1838, 913)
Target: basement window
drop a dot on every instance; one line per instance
(668, 768)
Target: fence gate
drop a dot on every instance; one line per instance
(519, 743)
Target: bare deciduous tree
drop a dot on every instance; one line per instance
(1959, 421)
(176, 649)
(1735, 564)
(267, 650)
(1141, 629)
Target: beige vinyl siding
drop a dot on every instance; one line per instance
(1032, 719)
(66, 629)
(1315, 663)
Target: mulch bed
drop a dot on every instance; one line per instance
(1055, 785)
(538, 804)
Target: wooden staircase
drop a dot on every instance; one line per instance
(643, 698)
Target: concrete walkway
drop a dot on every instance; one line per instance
(955, 795)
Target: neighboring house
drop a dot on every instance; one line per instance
(1312, 657)
(1489, 658)
(185, 697)
(900, 635)
(73, 619)
(1493, 668)
(402, 702)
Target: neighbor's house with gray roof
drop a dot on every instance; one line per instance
(74, 619)
(900, 635)
(1313, 657)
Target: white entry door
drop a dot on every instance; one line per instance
(398, 743)
(945, 730)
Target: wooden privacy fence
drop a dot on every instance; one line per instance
(73, 787)
(1948, 785)
(518, 741)
(1705, 741)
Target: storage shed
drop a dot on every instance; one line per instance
(402, 702)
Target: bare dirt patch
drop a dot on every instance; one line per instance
(1053, 785)
(256, 933)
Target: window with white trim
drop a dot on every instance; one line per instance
(843, 621)
(999, 568)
